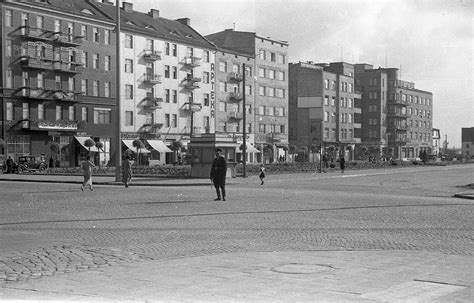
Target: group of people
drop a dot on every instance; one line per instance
(88, 165)
(327, 160)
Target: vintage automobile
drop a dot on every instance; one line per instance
(30, 164)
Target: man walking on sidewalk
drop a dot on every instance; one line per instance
(218, 173)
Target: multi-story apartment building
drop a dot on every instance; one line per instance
(396, 117)
(234, 87)
(268, 86)
(324, 108)
(57, 80)
(436, 146)
(467, 141)
(167, 80)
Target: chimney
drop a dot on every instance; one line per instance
(185, 21)
(127, 6)
(154, 13)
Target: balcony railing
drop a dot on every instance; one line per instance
(190, 78)
(236, 77)
(37, 63)
(61, 95)
(151, 78)
(36, 34)
(68, 67)
(152, 55)
(36, 93)
(235, 115)
(235, 97)
(68, 39)
(191, 85)
(192, 61)
(152, 103)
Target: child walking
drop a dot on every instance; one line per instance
(262, 174)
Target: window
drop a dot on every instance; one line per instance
(95, 34)
(223, 66)
(128, 92)
(84, 31)
(84, 114)
(326, 133)
(262, 54)
(26, 114)
(279, 111)
(175, 96)
(8, 47)
(84, 88)
(206, 99)
(261, 128)
(281, 59)
(128, 118)
(129, 66)
(271, 74)
(107, 89)
(8, 17)
(206, 56)
(95, 88)
(95, 61)
(372, 121)
(326, 116)
(167, 96)
(333, 101)
(40, 78)
(40, 111)
(333, 85)
(270, 91)
(280, 93)
(326, 83)
(102, 115)
(333, 117)
(167, 71)
(86, 59)
(9, 82)
(349, 118)
(167, 120)
(107, 36)
(9, 115)
(167, 48)
(59, 112)
(175, 72)
(248, 89)
(222, 106)
(205, 77)
(273, 57)
(72, 113)
(222, 86)
(107, 62)
(174, 120)
(372, 108)
(128, 41)
(281, 75)
(261, 90)
(261, 72)
(350, 103)
(351, 88)
(175, 50)
(270, 111)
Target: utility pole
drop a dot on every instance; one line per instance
(244, 115)
(118, 135)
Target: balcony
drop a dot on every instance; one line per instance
(235, 97)
(151, 55)
(237, 77)
(192, 61)
(397, 114)
(59, 125)
(191, 84)
(152, 103)
(68, 67)
(192, 107)
(61, 95)
(151, 79)
(36, 63)
(36, 34)
(150, 127)
(68, 39)
(190, 78)
(36, 93)
(235, 115)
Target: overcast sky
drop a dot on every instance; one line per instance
(431, 40)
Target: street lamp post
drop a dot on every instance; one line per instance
(244, 133)
(118, 143)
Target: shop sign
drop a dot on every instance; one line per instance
(213, 87)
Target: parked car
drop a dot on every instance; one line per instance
(30, 163)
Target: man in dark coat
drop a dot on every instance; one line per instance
(218, 173)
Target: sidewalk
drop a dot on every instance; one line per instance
(308, 276)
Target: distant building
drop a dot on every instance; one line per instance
(268, 89)
(396, 117)
(436, 137)
(467, 141)
(324, 109)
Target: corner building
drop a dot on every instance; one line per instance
(397, 118)
(267, 85)
(325, 110)
(56, 83)
(167, 88)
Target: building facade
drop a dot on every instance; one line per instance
(167, 82)
(324, 109)
(396, 117)
(57, 88)
(269, 89)
(467, 142)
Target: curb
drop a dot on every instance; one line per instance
(111, 183)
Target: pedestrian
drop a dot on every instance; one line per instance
(262, 173)
(10, 165)
(218, 174)
(126, 171)
(87, 167)
(325, 161)
(342, 164)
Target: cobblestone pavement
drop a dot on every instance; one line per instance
(54, 229)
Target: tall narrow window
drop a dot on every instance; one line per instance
(8, 17)
(40, 78)
(128, 91)
(9, 82)
(84, 114)
(9, 115)
(128, 41)
(174, 120)
(59, 112)
(8, 47)
(107, 63)
(26, 114)
(149, 45)
(107, 89)
(40, 111)
(72, 113)
(95, 61)
(84, 31)
(107, 36)
(95, 34)
(95, 88)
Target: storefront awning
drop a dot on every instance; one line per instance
(129, 145)
(82, 141)
(159, 146)
(250, 148)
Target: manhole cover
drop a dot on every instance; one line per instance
(302, 268)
